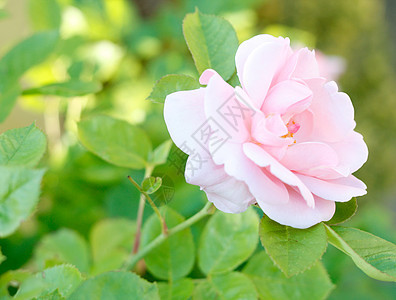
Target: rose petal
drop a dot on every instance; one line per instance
(302, 64)
(327, 172)
(205, 172)
(352, 151)
(277, 152)
(309, 155)
(307, 66)
(247, 47)
(244, 99)
(230, 196)
(305, 119)
(333, 112)
(184, 114)
(296, 212)
(226, 193)
(287, 96)
(341, 189)
(206, 75)
(261, 183)
(261, 67)
(226, 113)
(225, 204)
(263, 159)
(276, 125)
(269, 131)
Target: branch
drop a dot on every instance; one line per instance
(164, 227)
(139, 218)
(132, 261)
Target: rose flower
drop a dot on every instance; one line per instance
(284, 139)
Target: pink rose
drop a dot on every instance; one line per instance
(284, 140)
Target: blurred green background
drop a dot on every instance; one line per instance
(128, 45)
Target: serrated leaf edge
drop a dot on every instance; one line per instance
(309, 266)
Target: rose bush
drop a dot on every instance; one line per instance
(283, 139)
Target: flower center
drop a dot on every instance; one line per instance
(292, 127)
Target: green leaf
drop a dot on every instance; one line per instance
(165, 192)
(224, 7)
(62, 246)
(63, 279)
(17, 61)
(230, 286)
(45, 14)
(54, 295)
(13, 279)
(111, 243)
(115, 141)
(272, 284)
(160, 154)
(28, 53)
(174, 258)
(19, 194)
(8, 96)
(212, 42)
(151, 184)
(181, 289)
(234, 80)
(2, 257)
(227, 241)
(170, 84)
(76, 69)
(293, 250)
(116, 285)
(344, 212)
(73, 88)
(374, 256)
(22, 146)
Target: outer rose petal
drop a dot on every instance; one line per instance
(260, 157)
(222, 105)
(230, 196)
(247, 47)
(206, 174)
(297, 214)
(261, 183)
(225, 192)
(206, 75)
(332, 111)
(306, 66)
(352, 151)
(184, 114)
(341, 189)
(302, 64)
(261, 67)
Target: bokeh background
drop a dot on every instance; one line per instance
(128, 45)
